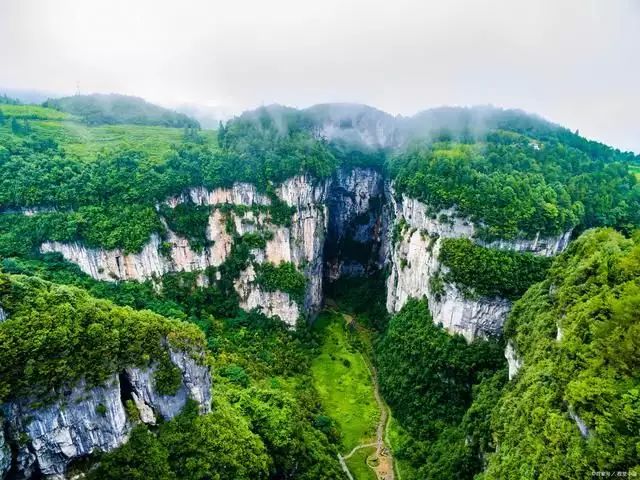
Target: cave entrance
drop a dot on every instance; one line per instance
(357, 225)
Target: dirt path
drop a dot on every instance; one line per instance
(382, 462)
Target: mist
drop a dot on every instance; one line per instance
(575, 62)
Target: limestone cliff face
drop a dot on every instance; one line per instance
(5, 455)
(339, 226)
(357, 227)
(415, 268)
(84, 420)
(513, 360)
(301, 242)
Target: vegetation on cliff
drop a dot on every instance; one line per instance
(56, 335)
(578, 335)
(430, 379)
(514, 185)
(489, 272)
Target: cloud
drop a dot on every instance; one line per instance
(576, 62)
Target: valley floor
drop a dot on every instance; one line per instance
(347, 384)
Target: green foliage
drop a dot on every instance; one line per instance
(141, 458)
(344, 384)
(190, 221)
(167, 378)
(56, 335)
(52, 267)
(490, 272)
(235, 374)
(592, 294)
(5, 100)
(361, 296)
(191, 446)
(99, 109)
(284, 277)
(285, 425)
(273, 144)
(428, 377)
(515, 186)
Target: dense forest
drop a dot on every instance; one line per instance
(577, 334)
(573, 407)
(99, 169)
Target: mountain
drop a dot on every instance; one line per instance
(443, 252)
(112, 109)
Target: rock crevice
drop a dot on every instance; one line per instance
(85, 419)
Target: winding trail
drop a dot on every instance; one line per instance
(382, 462)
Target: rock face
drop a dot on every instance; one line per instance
(196, 384)
(356, 228)
(340, 226)
(5, 455)
(301, 242)
(272, 304)
(84, 420)
(416, 270)
(513, 361)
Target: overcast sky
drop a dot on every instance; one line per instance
(576, 62)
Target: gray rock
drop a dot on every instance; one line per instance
(85, 420)
(5, 452)
(196, 384)
(355, 206)
(414, 263)
(81, 422)
(513, 360)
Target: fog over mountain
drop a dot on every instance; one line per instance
(576, 61)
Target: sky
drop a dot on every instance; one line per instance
(575, 62)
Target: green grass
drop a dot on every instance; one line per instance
(635, 169)
(358, 464)
(344, 384)
(87, 142)
(33, 112)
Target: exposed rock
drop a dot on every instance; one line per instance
(584, 430)
(470, 317)
(545, 246)
(355, 231)
(239, 194)
(514, 362)
(196, 377)
(307, 234)
(331, 220)
(81, 422)
(301, 243)
(196, 384)
(415, 267)
(84, 420)
(5, 452)
(272, 304)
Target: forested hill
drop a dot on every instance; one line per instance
(112, 109)
(513, 173)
